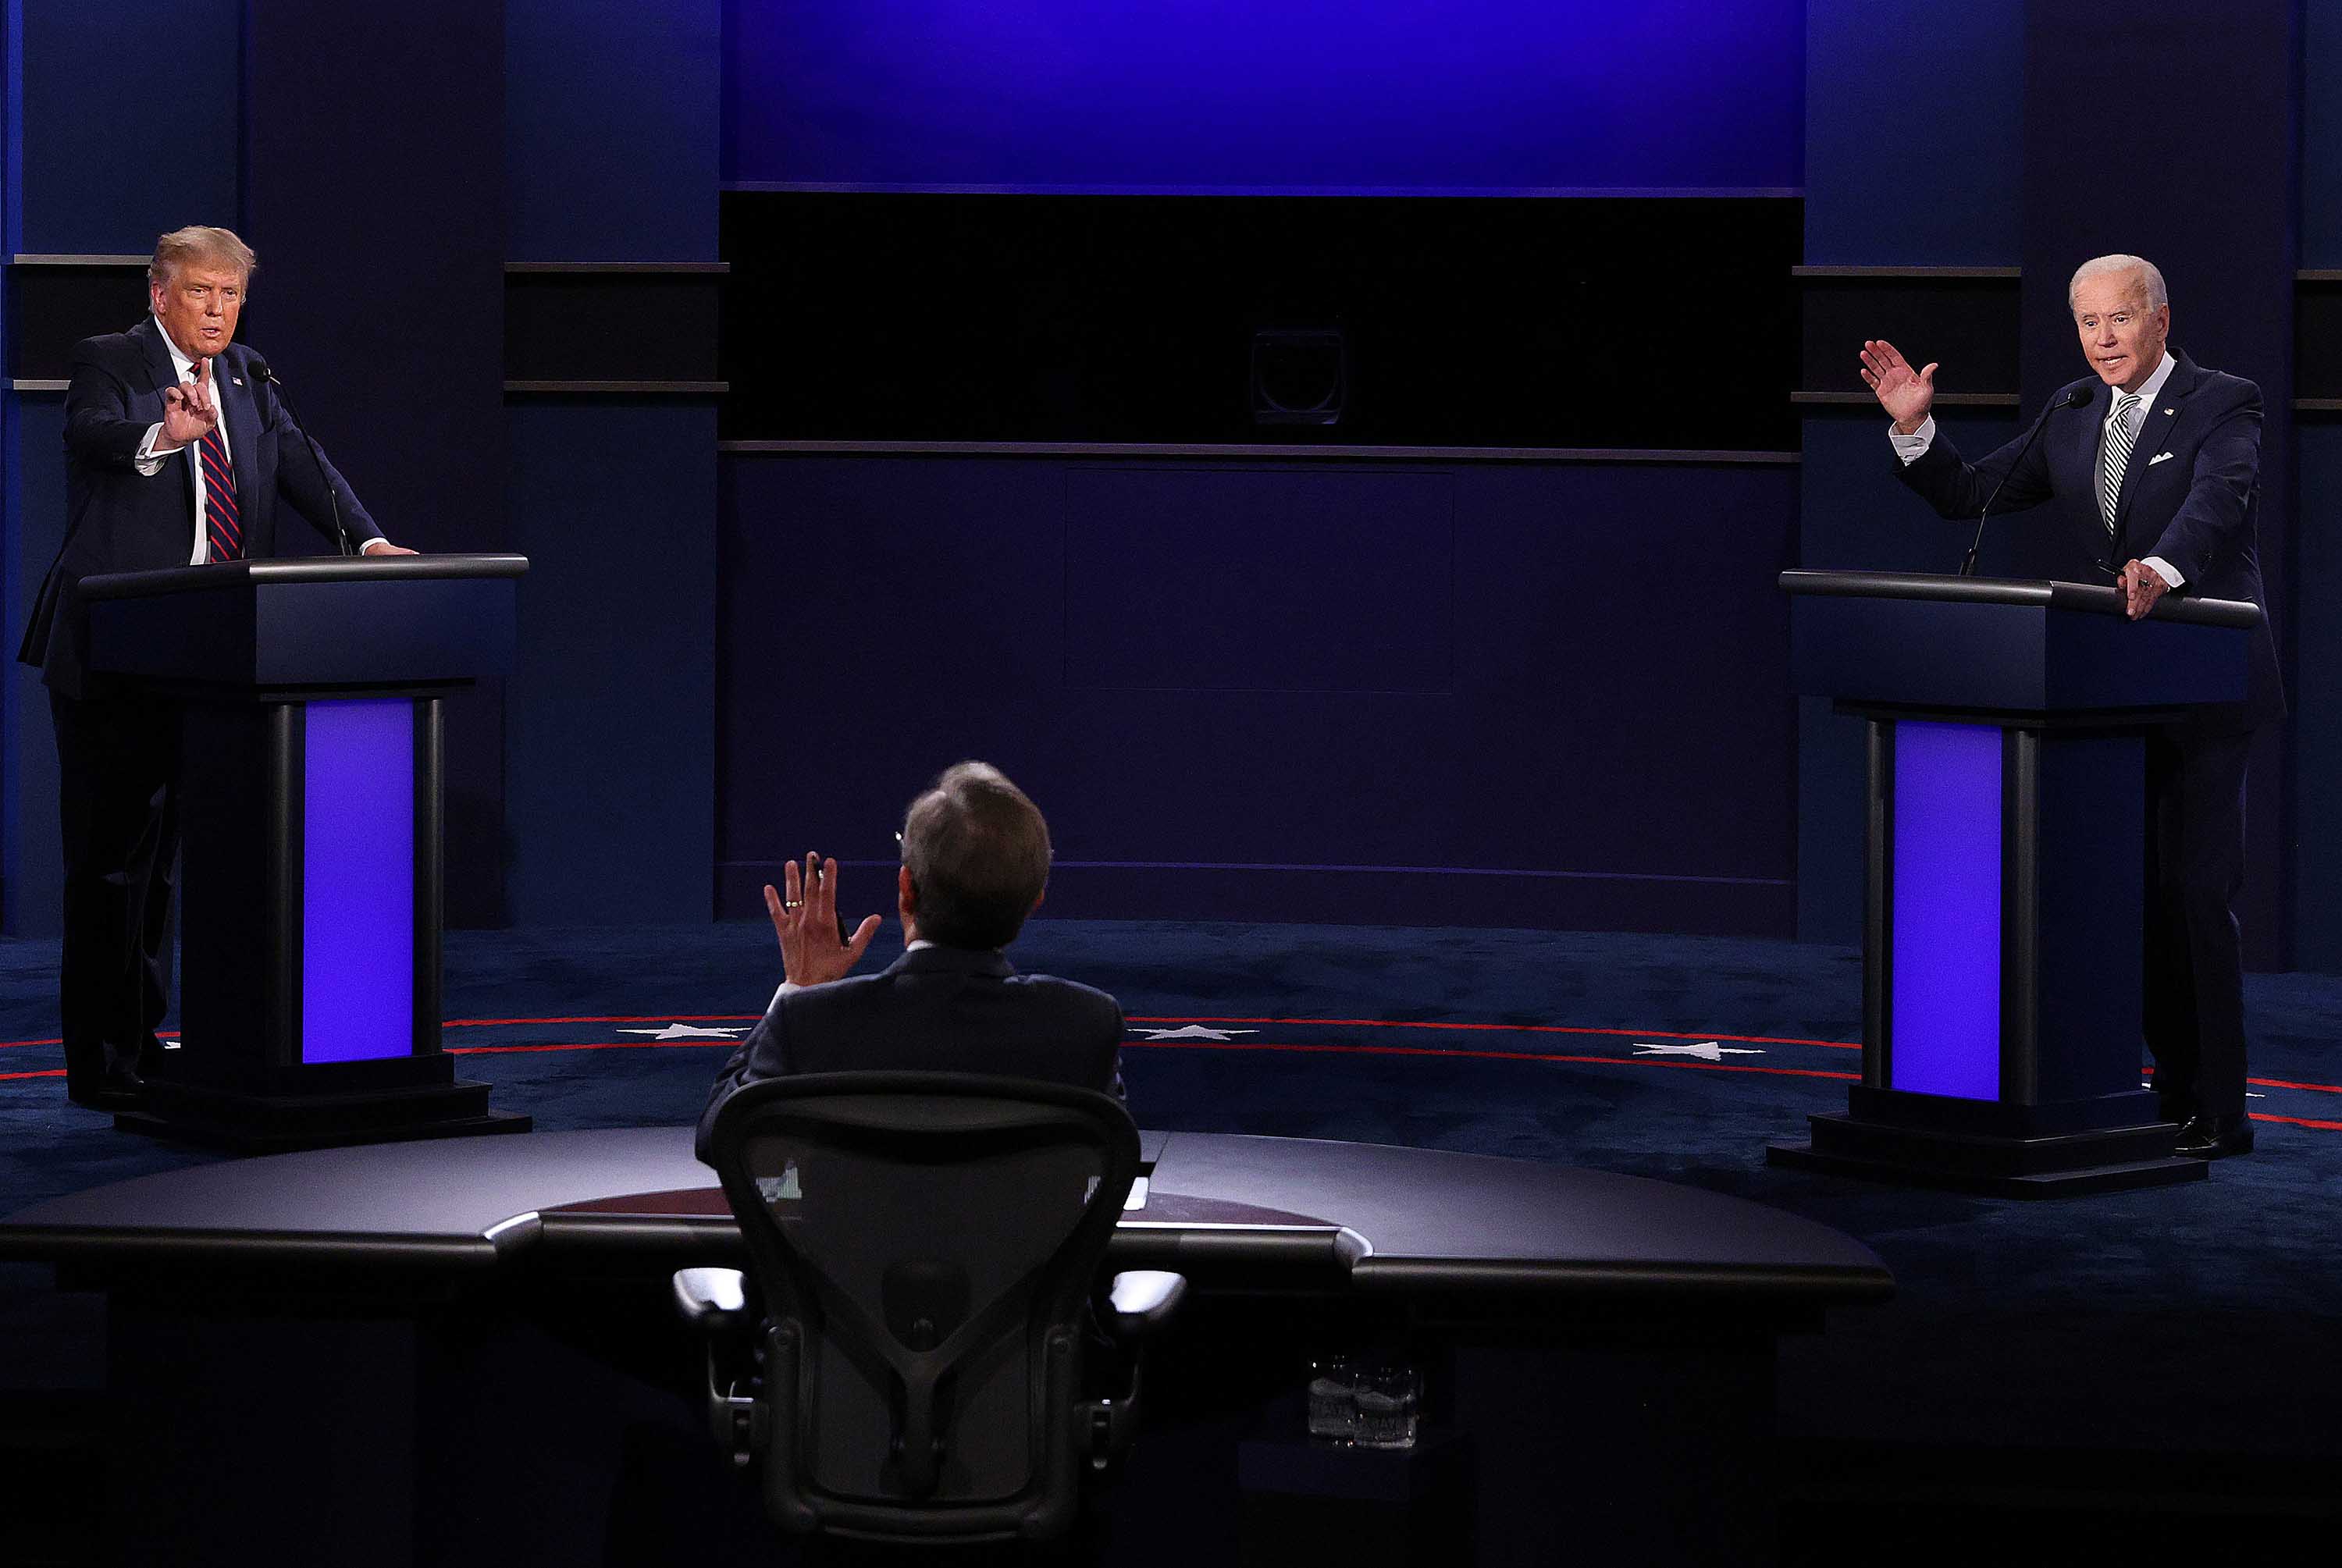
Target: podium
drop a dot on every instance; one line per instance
(2005, 869)
(309, 693)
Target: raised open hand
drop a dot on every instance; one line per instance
(189, 411)
(1905, 394)
(804, 918)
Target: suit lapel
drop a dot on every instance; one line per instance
(2153, 430)
(2086, 435)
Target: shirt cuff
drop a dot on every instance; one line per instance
(1912, 447)
(148, 461)
(788, 988)
(2167, 571)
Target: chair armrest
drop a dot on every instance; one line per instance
(714, 1300)
(1143, 1301)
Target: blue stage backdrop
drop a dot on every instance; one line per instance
(1543, 694)
(1307, 96)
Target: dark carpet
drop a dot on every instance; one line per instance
(2184, 1339)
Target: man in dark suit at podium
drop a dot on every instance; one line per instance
(177, 449)
(975, 862)
(2155, 463)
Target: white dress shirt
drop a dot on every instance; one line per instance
(1912, 447)
(154, 449)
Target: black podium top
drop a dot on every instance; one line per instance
(327, 620)
(2086, 598)
(2012, 646)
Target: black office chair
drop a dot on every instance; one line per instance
(924, 1289)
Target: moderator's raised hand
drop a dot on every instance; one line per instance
(1905, 394)
(804, 918)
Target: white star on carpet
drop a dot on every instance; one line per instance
(1193, 1032)
(1707, 1050)
(685, 1032)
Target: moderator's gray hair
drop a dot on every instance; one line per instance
(2100, 267)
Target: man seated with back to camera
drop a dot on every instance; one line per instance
(975, 862)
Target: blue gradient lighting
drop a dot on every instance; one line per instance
(1944, 1008)
(1243, 96)
(358, 882)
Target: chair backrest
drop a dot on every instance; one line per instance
(926, 1245)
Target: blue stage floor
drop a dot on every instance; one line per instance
(2196, 1319)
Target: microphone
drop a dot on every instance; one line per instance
(2076, 398)
(260, 372)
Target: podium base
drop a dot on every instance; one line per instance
(2067, 1165)
(253, 1123)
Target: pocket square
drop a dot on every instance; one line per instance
(2158, 457)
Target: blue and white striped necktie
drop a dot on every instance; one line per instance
(2114, 453)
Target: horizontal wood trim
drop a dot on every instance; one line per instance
(1948, 399)
(2319, 274)
(38, 383)
(607, 268)
(2318, 405)
(91, 261)
(1891, 273)
(1199, 449)
(687, 389)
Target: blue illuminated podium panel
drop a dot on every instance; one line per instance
(2006, 869)
(309, 693)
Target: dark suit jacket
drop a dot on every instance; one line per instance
(2197, 508)
(935, 1010)
(119, 520)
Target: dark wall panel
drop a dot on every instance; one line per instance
(2321, 135)
(1913, 152)
(1611, 748)
(1464, 321)
(35, 887)
(1246, 580)
(2317, 702)
(377, 206)
(2208, 188)
(613, 692)
(612, 118)
(610, 152)
(129, 117)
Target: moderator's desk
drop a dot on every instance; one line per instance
(278, 1325)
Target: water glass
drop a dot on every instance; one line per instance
(1390, 1399)
(1333, 1400)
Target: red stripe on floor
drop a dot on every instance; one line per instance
(613, 1018)
(1521, 1028)
(2297, 1121)
(1480, 1055)
(582, 1045)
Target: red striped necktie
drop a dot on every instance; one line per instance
(220, 519)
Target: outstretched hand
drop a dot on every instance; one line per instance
(189, 411)
(1905, 394)
(804, 918)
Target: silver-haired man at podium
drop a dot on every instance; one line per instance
(2154, 464)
